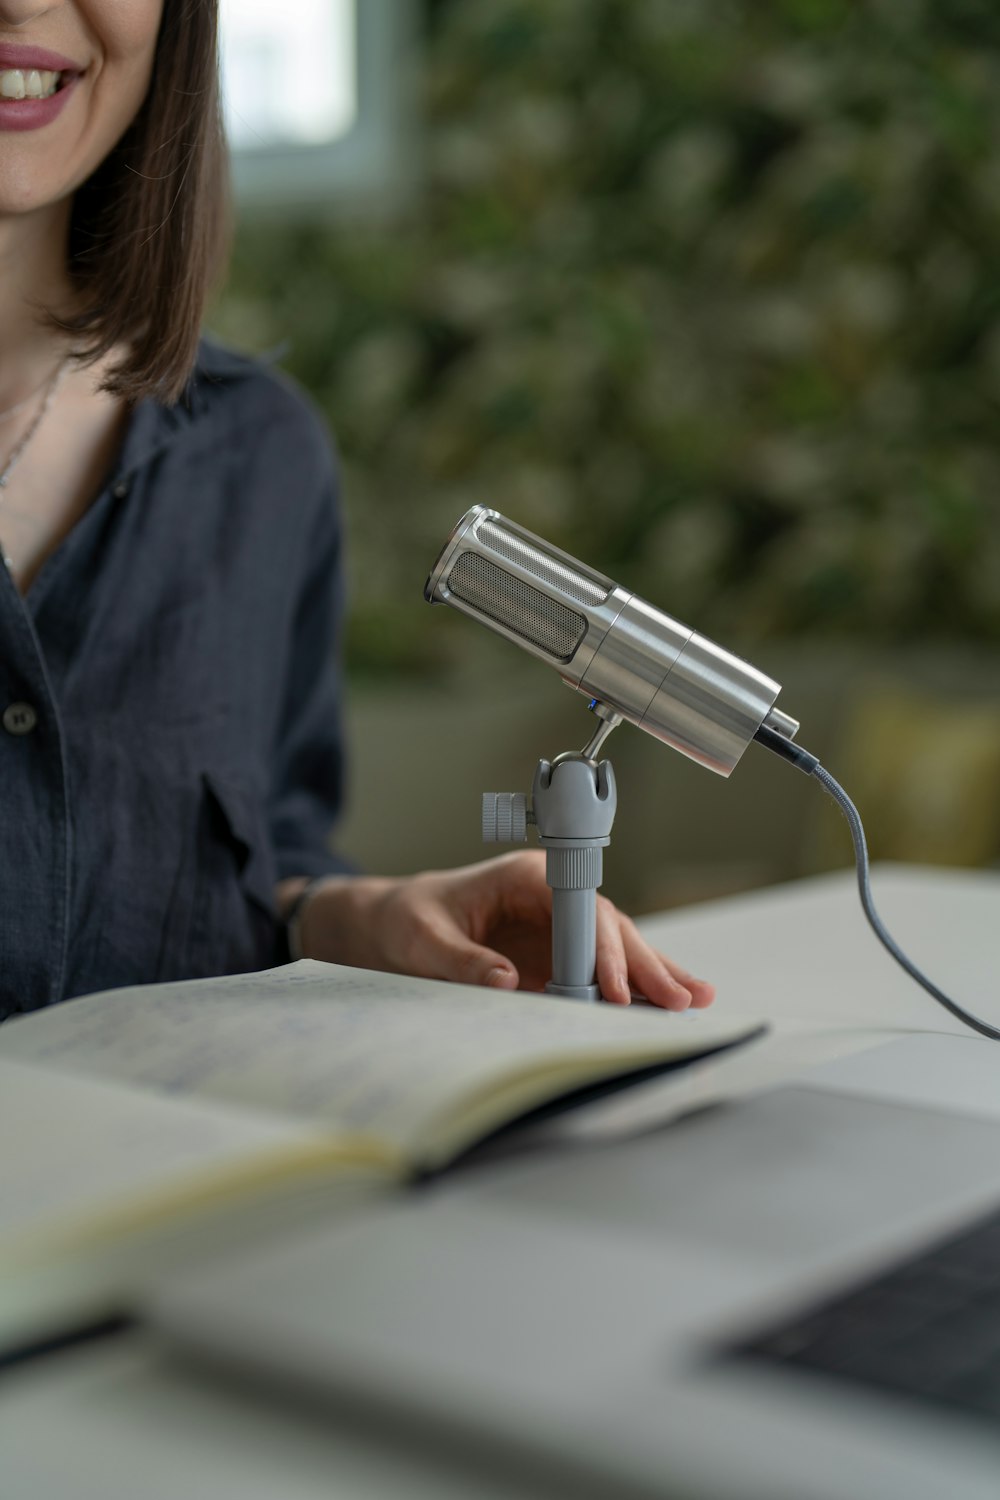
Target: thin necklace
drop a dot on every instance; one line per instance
(12, 411)
(54, 382)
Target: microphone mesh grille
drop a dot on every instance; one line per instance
(508, 545)
(508, 600)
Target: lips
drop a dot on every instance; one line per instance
(33, 114)
(13, 56)
(17, 114)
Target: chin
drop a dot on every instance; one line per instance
(26, 191)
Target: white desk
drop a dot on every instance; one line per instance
(119, 1421)
(804, 956)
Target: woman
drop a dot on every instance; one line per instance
(170, 760)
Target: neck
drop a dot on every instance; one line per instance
(33, 278)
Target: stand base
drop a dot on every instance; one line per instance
(574, 991)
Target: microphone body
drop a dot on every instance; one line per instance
(604, 641)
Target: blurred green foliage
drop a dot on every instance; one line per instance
(706, 291)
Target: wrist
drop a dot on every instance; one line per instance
(333, 918)
(302, 897)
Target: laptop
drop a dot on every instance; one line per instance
(795, 1294)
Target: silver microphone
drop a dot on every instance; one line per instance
(605, 642)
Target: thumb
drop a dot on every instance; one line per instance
(463, 961)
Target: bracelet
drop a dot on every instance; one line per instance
(297, 911)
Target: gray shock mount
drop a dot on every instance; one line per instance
(573, 805)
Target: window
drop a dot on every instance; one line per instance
(316, 100)
(288, 86)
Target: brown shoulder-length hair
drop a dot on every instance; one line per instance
(149, 229)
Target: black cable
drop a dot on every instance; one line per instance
(789, 751)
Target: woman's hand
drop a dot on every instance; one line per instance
(488, 924)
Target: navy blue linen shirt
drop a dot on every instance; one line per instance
(169, 697)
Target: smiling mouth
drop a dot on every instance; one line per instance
(30, 83)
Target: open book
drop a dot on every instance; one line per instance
(146, 1125)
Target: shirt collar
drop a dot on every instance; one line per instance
(153, 426)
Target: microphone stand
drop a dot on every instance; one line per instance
(573, 803)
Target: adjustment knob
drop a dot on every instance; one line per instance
(505, 817)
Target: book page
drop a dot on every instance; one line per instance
(354, 1049)
(79, 1149)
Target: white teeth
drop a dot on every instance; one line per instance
(16, 83)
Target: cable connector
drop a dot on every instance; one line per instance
(787, 749)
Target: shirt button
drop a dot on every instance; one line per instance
(19, 718)
(121, 489)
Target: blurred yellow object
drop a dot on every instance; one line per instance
(924, 773)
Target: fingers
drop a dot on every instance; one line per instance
(702, 993)
(612, 962)
(626, 962)
(650, 975)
